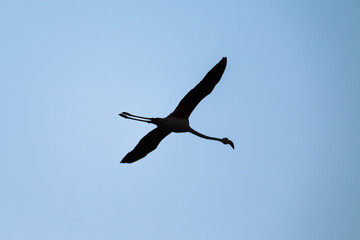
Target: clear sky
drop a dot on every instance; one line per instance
(289, 99)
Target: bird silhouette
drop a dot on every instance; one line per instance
(178, 120)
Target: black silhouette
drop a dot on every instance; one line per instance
(178, 120)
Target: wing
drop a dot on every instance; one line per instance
(200, 91)
(146, 145)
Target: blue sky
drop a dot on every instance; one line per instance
(289, 99)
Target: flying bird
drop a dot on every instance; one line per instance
(178, 120)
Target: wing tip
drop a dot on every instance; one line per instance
(129, 158)
(223, 61)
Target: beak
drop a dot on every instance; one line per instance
(232, 144)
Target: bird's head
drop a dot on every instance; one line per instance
(228, 141)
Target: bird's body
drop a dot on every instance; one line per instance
(172, 124)
(178, 120)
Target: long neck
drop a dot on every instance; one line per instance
(202, 135)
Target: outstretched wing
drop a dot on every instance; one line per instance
(200, 91)
(146, 145)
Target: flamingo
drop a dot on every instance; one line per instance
(178, 120)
